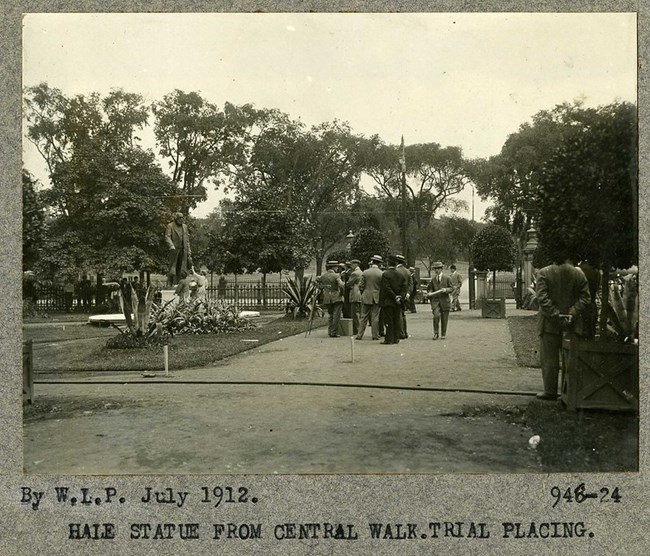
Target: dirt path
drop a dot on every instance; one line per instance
(394, 409)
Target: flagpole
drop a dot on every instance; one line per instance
(403, 168)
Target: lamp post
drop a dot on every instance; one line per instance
(349, 237)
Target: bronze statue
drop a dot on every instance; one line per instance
(180, 255)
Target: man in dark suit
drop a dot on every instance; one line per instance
(391, 295)
(439, 289)
(409, 285)
(332, 286)
(562, 294)
(369, 286)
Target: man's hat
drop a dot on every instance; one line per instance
(412, 268)
(355, 261)
(400, 258)
(332, 263)
(376, 259)
(437, 264)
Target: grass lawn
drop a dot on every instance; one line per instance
(581, 441)
(83, 348)
(525, 339)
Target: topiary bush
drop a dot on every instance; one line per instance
(369, 242)
(493, 249)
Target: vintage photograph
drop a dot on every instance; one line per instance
(330, 243)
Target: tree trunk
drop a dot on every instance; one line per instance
(299, 274)
(494, 284)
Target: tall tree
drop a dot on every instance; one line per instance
(199, 141)
(33, 221)
(433, 175)
(107, 196)
(588, 194)
(511, 178)
(313, 175)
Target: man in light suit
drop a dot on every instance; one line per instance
(332, 286)
(369, 286)
(457, 281)
(394, 287)
(562, 294)
(439, 289)
(354, 294)
(180, 255)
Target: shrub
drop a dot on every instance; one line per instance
(493, 249)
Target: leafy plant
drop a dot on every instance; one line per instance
(199, 317)
(302, 295)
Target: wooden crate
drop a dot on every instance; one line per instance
(599, 375)
(493, 308)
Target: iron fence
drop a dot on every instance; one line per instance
(250, 295)
(246, 294)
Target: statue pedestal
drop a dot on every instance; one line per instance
(167, 295)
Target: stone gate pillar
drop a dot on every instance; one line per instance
(481, 286)
(528, 252)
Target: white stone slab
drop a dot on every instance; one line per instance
(115, 318)
(249, 314)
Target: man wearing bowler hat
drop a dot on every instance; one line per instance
(439, 289)
(332, 286)
(369, 286)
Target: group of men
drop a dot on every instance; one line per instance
(381, 296)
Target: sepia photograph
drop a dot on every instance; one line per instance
(330, 243)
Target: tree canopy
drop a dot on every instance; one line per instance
(588, 191)
(511, 178)
(108, 198)
(493, 249)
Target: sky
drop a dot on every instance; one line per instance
(466, 80)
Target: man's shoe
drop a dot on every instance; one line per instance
(377, 338)
(335, 335)
(435, 336)
(443, 337)
(357, 338)
(386, 343)
(546, 397)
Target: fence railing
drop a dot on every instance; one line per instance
(250, 296)
(246, 294)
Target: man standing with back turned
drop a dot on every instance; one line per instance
(369, 286)
(332, 286)
(391, 295)
(562, 293)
